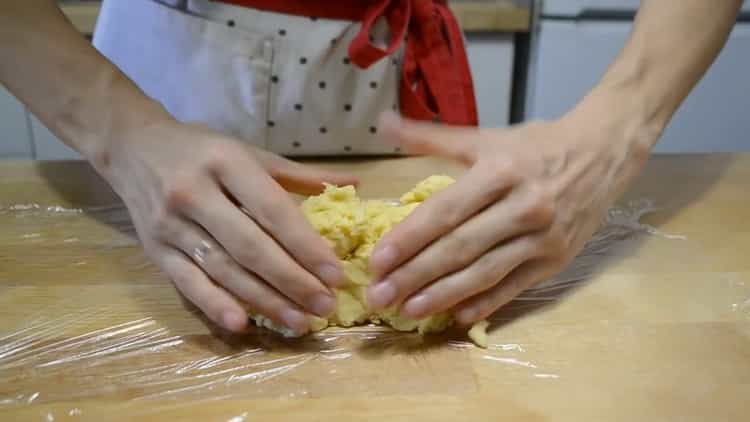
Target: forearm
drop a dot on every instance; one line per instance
(672, 45)
(82, 97)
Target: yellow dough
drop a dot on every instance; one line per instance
(353, 226)
(478, 334)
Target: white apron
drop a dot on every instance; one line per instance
(281, 82)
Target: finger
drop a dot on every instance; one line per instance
(224, 270)
(439, 215)
(303, 179)
(483, 274)
(522, 211)
(457, 143)
(275, 211)
(256, 251)
(484, 304)
(216, 304)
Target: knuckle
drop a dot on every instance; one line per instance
(555, 243)
(405, 278)
(452, 214)
(219, 266)
(286, 278)
(272, 208)
(539, 208)
(179, 195)
(217, 156)
(297, 283)
(505, 169)
(514, 286)
(249, 256)
(245, 252)
(411, 278)
(461, 249)
(484, 273)
(491, 271)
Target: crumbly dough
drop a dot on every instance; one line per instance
(353, 226)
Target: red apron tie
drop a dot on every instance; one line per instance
(436, 80)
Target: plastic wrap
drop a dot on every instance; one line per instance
(72, 347)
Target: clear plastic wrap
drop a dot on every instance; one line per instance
(74, 347)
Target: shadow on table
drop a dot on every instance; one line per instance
(690, 178)
(79, 184)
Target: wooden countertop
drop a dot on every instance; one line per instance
(655, 328)
(473, 15)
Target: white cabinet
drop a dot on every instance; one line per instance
(491, 60)
(15, 135)
(47, 146)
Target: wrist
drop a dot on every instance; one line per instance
(615, 127)
(618, 116)
(127, 118)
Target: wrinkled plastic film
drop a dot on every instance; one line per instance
(85, 350)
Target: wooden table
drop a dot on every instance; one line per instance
(645, 326)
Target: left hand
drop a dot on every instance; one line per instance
(532, 198)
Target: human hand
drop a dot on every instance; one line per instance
(533, 196)
(214, 215)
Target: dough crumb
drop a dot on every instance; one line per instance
(478, 333)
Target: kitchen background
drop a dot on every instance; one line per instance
(530, 60)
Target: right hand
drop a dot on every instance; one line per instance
(213, 213)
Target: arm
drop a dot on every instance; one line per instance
(536, 193)
(672, 45)
(76, 92)
(181, 183)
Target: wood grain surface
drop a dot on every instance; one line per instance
(651, 324)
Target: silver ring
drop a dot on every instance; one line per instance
(200, 252)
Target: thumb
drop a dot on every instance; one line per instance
(418, 138)
(303, 179)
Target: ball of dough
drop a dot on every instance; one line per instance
(353, 227)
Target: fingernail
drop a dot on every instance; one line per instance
(381, 295)
(233, 321)
(295, 320)
(383, 258)
(417, 307)
(322, 304)
(331, 275)
(467, 315)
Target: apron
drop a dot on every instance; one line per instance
(283, 82)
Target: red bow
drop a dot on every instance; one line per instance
(436, 81)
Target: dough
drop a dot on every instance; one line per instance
(478, 333)
(353, 226)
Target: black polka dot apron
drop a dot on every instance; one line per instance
(285, 82)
